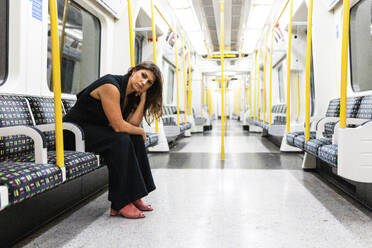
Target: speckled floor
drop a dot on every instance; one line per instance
(265, 201)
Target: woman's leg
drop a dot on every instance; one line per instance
(143, 161)
(127, 183)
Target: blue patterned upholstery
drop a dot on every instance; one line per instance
(292, 135)
(25, 180)
(333, 108)
(328, 153)
(77, 163)
(14, 112)
(43, 111)
(299, 141)
(365, 110)
(68, 104)
(313, 145)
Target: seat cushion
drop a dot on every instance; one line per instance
(313, 145)
(25, 179)
(291, 136)
(328, 153)
(77, 163)
(299, 141)
(329, 129)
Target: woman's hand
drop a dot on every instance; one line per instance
(143, 96)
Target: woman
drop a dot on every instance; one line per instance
(110, 111)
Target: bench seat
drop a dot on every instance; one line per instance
(26, 179)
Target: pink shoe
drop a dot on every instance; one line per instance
(129, 211)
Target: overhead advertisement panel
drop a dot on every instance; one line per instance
(113, 6)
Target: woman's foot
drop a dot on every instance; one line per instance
(129, 211)
(142, 206)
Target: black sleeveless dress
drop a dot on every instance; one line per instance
(130, 175)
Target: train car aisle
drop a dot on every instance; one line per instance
(258, 197)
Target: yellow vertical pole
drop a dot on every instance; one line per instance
(154, 50)
(131, 35)
(271, 75)
(264, 82)
(255, 85)
(251, 88)
(289, 53)
(184, 77)
(56, 82)
(258, 85)
(189, 80)
(344, 56)
(177, 78)
(222, 47)
(298, 97)
(308, 68)
(201, 94)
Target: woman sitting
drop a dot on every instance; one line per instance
(110, 111)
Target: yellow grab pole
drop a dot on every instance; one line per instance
(131, 35)
(154, 50)
(56, 82)
(271, 57)
(201, 94)
(308, 68)
(264, 82)
(271, 75)
(63, 29)
(289, 52)
(177, 78)
(250, 94)
(298, 97)
(344, 56)
(184, 77)
(189, 80)
(222, 48)
(258, 86)
(255, 86)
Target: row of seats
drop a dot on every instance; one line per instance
(27, 148)
(322, 141)
(169, 119)
(278, 114)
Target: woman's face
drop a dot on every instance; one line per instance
(141, 80)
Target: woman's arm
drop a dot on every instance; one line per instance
(136, 117)
(109, 96)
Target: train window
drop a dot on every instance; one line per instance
(3, 40)
(138, 48)
(170, 85)
(81, 48)
(360, 45)
(281, 85)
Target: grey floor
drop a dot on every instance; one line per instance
(257, 197)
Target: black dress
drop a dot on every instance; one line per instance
(130, 175)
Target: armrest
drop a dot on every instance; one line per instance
(4, 198)
(74, 128)
(321, 123)
(40, 147)
(349, 121)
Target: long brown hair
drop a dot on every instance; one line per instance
(154, 96)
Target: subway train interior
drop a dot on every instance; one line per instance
(265, 137)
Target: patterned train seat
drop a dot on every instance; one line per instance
(23, 179)
(298, 139)
(68, 104)
(77, 163)
(329, 153)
